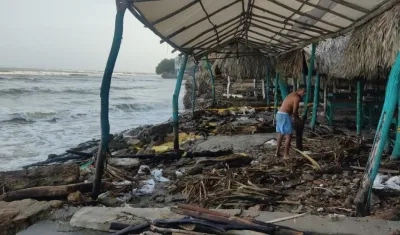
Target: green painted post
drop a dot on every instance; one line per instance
(396, 150)
(267, 88)
(391, 98)
(212, 80)
(175, 99)
(308, 85)
(283, 88)
(276, 94)
(103, 151)
(359, 106)
(315, 103)
(194, 89)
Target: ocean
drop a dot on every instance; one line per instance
(45, 112)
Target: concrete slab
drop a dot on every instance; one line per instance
(100, 218)
(47, 227)
(237, 142)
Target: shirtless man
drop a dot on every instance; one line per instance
(290, 106)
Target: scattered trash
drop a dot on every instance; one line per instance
(144, 170)
(386, 182)
(146, 189)
(271, 142)
(254, 163)
(179, 173)
(335, 217)
(320, 209)
(157, 174)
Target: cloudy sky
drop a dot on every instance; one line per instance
(73, 34)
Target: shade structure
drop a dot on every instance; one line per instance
(273, 27)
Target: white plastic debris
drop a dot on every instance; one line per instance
(122, 183)
(179, 173)
(320, 209)
(307, 152)
(147, 188)
(254, 163)
(144, 170)
(271, 142)
(157, 174)
(384, 182)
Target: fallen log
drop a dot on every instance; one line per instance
(174, 155)
(47, 192)
(40, 176)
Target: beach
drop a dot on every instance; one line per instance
(45, 112)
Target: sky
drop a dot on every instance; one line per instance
(74, 34)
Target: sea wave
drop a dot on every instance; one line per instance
(29, 117)
(20, 91)
(133, 107)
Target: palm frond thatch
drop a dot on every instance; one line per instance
(290, 64)
(372, 48)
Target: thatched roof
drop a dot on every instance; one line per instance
(290, 65)
(372, 48)
(239, 61)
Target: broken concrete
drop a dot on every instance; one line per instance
(18, 215)
(237, 142)
(100, 219)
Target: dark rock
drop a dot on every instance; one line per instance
(160, 199)
(177, 198)
(127, 163)
(109, 201)
(52, 156)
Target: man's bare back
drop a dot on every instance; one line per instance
(291, 104)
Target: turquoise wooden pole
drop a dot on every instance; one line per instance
(267, 81)
(104, 94)
(396, 150)
(212, 80)
(315, 103)
(283, 88)
(308, 85)
(175, 99)
(359, 106)
(194, 89)
(276, 94)
(391, 98)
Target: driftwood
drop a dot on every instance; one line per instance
(60, 160)
(40, 176)
(46, 192)
(128, 229)
(174, 155)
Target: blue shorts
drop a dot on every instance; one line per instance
(283, 123)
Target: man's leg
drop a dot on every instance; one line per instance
(278, 144)
(288, 139)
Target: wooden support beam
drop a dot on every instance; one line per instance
(175, 103)
(326, 10)
(194, 89)
(359, 106)
(103, 151)
(173, 34)
(276, 95)
(175, 12)
(315, 103)
(212, 80)
(396, 149)
(362, 199)
(283, 87)
(280, 28)
(290, 37)
(209, 20)
(267, 82)
(308, 84)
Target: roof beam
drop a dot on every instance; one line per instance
(269, 43)
(174, 13)
(200, 20)
(206, 52)
(233, 21)
(271, 38)
(326, 10)
(304, 14)
(352, 6)
(276, 32)
(309, 27)
(209, 20)
(283, 28)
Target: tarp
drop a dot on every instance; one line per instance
(272, 26)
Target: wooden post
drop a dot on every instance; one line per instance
(228, 95)
(263, 88)
(267, 88)
(255, 87)
(283, 88)
(308, 86)
(315, 103)
(103, 151)
(212, 80)
(175, 101)
(194, 89)
(391, 98)
(294, 81)
(276, 95)
(396, 149)
(359, 106)
(325, 92)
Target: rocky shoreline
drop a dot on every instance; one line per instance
(227, 162)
